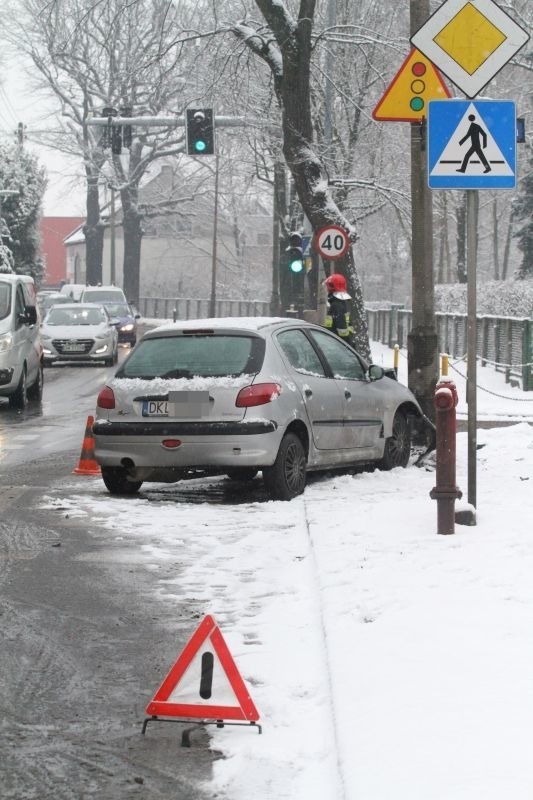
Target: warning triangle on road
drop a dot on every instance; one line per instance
(453, 154)
(416, 83)
(204, 683)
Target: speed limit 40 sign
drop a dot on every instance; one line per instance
(332, 242)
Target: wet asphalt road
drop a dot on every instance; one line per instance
(84, 644)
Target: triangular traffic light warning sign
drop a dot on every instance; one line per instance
(204, 682)
(417, 82)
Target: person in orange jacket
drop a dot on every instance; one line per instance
(338, 313)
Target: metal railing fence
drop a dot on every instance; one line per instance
(506, 343)
(196, 308)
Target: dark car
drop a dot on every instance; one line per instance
(124, 318)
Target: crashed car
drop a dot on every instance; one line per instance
(239, 396)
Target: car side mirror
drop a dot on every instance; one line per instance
(375, 372)
(137, 316)
(28, 316)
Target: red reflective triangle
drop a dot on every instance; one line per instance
(204, 682)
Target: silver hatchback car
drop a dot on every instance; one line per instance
(237, 396)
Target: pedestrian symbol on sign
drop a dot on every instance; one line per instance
(475, 133)
(471, 144)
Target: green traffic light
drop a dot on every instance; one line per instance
(296, 266)
(200, 146)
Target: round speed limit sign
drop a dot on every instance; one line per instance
(332, 242)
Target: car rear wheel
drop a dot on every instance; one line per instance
(116, 481)
(19, 398)
(285, 479)
(242, 474)
(35, 392)
(398, 446)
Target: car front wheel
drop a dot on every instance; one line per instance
(398, 446)
(19, 398)
(116, 481)
(285, 479)
(35, 391)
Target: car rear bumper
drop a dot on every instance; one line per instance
(205, 445)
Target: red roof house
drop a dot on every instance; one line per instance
(53, 231)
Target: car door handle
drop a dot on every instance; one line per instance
(347, 394)
(308, 393)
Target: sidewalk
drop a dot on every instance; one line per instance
(497, 402)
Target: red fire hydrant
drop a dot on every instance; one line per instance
(445, 492)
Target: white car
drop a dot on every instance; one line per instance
(235, 396)
(79, 332)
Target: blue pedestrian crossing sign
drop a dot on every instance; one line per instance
(471, 144)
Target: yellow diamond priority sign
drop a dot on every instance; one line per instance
(470, 41)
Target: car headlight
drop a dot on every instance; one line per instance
(128, 327)
(5, 342)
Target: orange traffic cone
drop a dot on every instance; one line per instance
(88, 465)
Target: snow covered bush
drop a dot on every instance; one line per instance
(496, 298)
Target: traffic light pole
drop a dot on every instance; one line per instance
(422, 340)
(213, 301)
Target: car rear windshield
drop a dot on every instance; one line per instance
(5, 299)
(118, 310)
(75, 316)
(197, 355)
(103, 296)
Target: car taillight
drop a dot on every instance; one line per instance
(257, 395)
(106, 398)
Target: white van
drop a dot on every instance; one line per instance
(21, 366)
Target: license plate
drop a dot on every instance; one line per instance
(155, 408)
(73, 348)
(182, 405)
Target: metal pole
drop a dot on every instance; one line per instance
(422, 347)
(472, 210)
(112, 231)
(213, 301)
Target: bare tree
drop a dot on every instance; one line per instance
(285, 44)
(112, 53)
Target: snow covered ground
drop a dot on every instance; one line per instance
(385, 661)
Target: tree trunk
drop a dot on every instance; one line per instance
(292, 86)
(94, 232)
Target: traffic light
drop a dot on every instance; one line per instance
(116, 140)
(107, 133)
(296, 270)
(126, 111)
(200, 131)
(295, 253)
(418, 86)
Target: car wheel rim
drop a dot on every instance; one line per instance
(294, 468)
